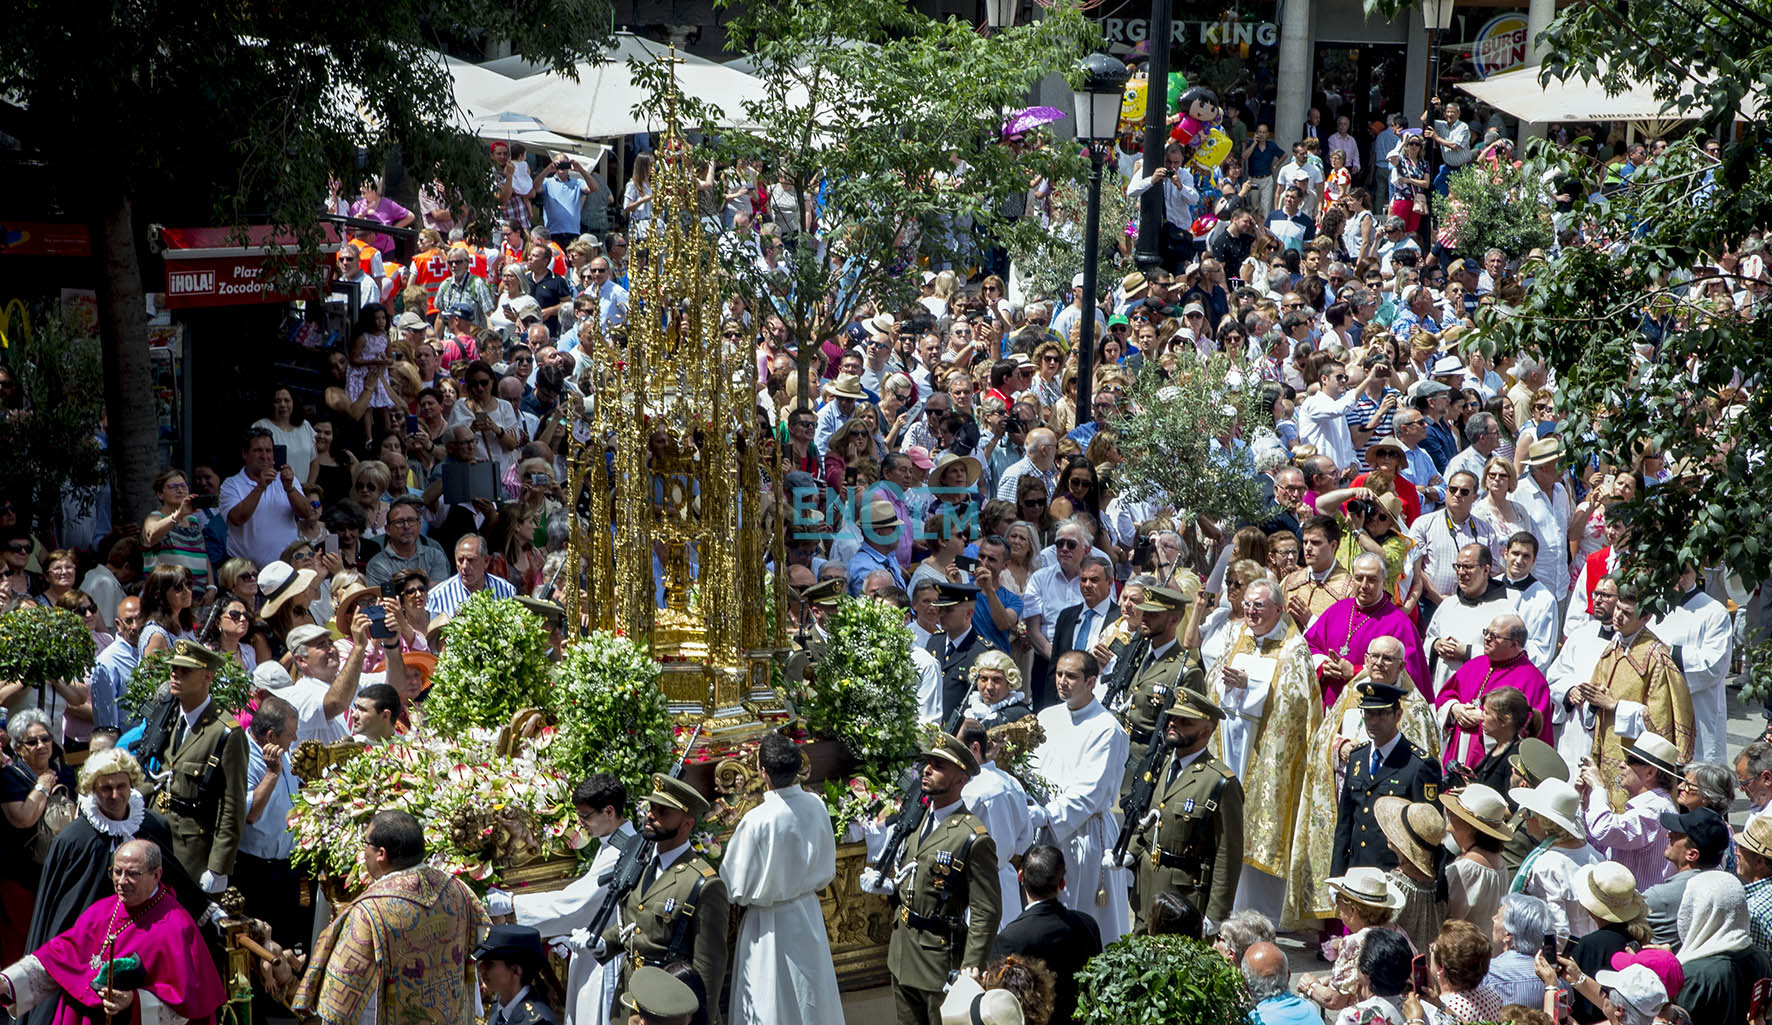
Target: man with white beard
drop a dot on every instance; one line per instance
(1699, 631)
(1002, 803)
(1588, 639)
(1083, 758)
(780, 855)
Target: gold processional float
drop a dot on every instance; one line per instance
(664, 464)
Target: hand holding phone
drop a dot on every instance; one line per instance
(1418, 974)
(378, 621)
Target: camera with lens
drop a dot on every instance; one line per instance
(1361, 507)
(1012, 424)
(1144, 551)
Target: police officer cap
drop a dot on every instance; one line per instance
(1191, 704)
(674, 793)
(550, 612)
(953, 594)
(1380, 697)
(948, 748)
(518, 944)
(191, 655)
(1164, 599)
(1537, 761)
(659, 994)
(825, 592)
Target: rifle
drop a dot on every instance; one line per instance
(1130, 653)
(1144, 790)
(625, 876)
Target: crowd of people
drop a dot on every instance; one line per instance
(1414, 710)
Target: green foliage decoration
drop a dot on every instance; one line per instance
(1167, 438)
(1493, 207)
(1159, 980)
(230, 688)
(40, 644)
(863, 693)
(495, 662)
(610, 712)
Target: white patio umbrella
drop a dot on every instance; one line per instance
(1519, 93)
(599, 105)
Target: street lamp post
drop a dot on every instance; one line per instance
(1097, 105)
(1148, 251)
(1436, 17)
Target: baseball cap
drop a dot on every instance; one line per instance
(1704, 828)
(1638, 989)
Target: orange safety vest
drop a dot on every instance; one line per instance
(429, 270)
(478, 266)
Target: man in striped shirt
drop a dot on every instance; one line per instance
(470, 577)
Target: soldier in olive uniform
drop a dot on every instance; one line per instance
(1192, 841)
(203, 790)
(679, 910)
(1388, 765)
(512, 958)
(955, 646)
(809, 638)
(947, 869)
(1165, 668)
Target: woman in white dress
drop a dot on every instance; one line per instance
(1477, 816)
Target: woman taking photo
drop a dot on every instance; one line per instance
(491, 418)
(172, 534)
(166, 609)
(33, 784)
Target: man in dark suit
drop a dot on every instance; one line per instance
(1048, 930)
(1389, 765)
(956, 645)
(1079, 626)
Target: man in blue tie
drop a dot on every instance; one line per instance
(1387, 765)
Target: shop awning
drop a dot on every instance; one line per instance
(1521, 94)
(210, 266)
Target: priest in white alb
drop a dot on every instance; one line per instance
(602, 805)
(1583, 645)
(1269, 695)
(780, 855)
(1083, 759)
(1454, 634)
(1702, 636)
(1001, 803)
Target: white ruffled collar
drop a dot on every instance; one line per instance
(122, 830)
(976, 708)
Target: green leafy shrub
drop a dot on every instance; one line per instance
(39, 645)
(612, 715)
(1493, 208)
(495, 663)
(1160, 980)
(1167, 439)
(230, 689)
(864, 691)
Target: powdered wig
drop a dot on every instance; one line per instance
(110, 762)
(1000, 662)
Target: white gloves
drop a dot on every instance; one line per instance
(212, 883)
(500, 902)
(874, 881)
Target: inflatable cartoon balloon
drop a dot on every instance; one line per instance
(1199, 112)
(1132, 102)
(1211, 149)
(1177, 86)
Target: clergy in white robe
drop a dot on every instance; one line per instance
(1001, 803)
(1083, 759)
(1269, 694)
(591, 988)
(1582, 647)
(780, 855)
(1702, 637)
(1454, 634)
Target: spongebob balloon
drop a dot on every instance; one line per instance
(1132, 103)
(1211, 148)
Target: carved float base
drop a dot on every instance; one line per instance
(858, 924)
